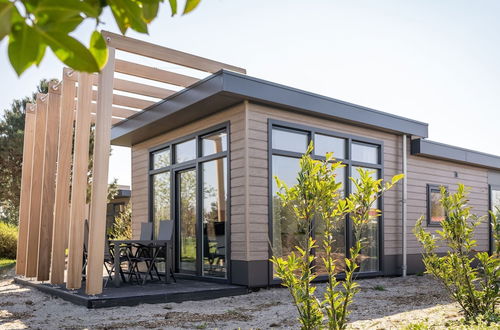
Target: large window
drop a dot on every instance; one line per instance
(188, 180)
(435, 211)
(288, 143)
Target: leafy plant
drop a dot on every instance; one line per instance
(317, 196)
(122, 225)
(8, 241)
(476, 289)
(33, 25)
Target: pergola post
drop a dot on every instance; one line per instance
(24, 202)
(48, 185)
(62, 195)
(36, 186)
(100, 177)
(79, 181)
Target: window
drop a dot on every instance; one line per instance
(289, 142)
(365, 153)
(435, 211)
(197, 176)
(325, 143)
(185, 151)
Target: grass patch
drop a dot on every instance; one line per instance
(5, 263)
(379, 288)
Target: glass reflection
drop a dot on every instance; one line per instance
(325, 143)
(214, 217)
(161, 199)
(290, 141)
(214, 143)
(365, 153)
(161, 158)
(187, 220)
(437, 212)
(286, 232)
(370, 253)
(185, 151)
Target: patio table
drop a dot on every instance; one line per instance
(151, 243)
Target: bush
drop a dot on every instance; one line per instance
(474, 288)
(8, 241)
(122, 226)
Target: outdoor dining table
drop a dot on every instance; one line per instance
(152, 243)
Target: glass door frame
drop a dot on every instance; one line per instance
(196, 163)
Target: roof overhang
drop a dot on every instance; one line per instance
(225, 88)
(431, 149)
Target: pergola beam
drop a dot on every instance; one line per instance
(97, 232)
(36, 186)
(62, 206)
(147, 49)
(24, 202)
(79, 182)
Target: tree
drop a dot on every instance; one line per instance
(11, 154)
(34, 25)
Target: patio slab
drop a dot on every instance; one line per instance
(151, 293)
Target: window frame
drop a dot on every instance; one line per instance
(429, 188)
(196, 163)
(349, 138)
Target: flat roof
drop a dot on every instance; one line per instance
(226, 88)
(432, 149)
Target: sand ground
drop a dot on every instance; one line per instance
(383, 303)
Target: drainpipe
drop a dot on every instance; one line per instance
(403, 203)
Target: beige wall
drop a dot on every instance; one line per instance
(249, 193)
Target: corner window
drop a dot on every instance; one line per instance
(435, 211)
(185, 151)
(161, 158)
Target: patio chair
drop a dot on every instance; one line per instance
(153, 254)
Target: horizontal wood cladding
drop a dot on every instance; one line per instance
(140, 177)
(423, 171)
(258, 171)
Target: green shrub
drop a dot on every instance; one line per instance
(122, 226)
(318, 196)
(475, 289)
(8, 241)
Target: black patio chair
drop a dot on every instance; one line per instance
(153, 254)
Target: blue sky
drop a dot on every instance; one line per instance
(433, 61)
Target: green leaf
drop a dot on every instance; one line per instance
(99, 49)
(6, 10)
(128, 14)
(173, 6)
(62, 23)
(190, 6)
(150, 10)
(70, 51)
(41, 53)
(72, 6)
(23, 47)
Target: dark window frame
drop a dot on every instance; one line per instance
(430, 187)
(311, 130)
(196, 163)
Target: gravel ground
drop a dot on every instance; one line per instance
(383, 303)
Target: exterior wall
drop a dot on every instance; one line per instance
(423, 171)
(258, 137)
(140, 176)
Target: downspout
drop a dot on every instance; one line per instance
(403, 203)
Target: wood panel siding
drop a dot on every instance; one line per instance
(140, 176)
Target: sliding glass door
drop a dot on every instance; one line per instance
(186, 220)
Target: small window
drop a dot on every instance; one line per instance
(185, 151)
(214, 143)
(366, 153)
(288, 140)
(161, 158)
(325, 143)
(435, 211)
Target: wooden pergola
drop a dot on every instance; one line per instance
(53, 204)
